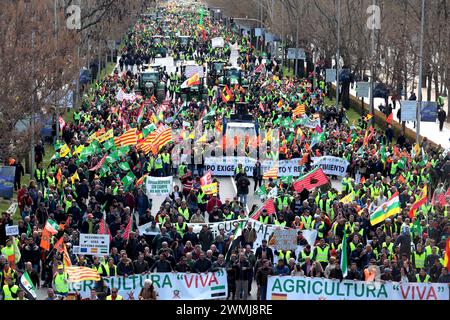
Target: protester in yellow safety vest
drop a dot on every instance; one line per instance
(322, 253)
(10, 290)
(109, 269)
(264, 217)
(418, 257)
(61, 281)
(306, 218)
(181, 226)
(183, 210)
(114, 295)
(422, 276)
(8, 252)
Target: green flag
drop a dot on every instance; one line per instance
(148, 129)
(287, 179)
(108, 144)
(112, 157)
(124, 166)
(344, 260)
(128, 180)
(104, 171)
(261, 191)
(123, 151)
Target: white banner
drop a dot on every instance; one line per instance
(292, 167)
(168, 286)
(226, 166)
(12, 230)
(159, 186)
(121, 95)
(331, 165)
(285, 239)
(94, 244)
(146, 229)
(303, 288)
(217, 42)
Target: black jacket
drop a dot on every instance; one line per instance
(269, 253)
(242, 269)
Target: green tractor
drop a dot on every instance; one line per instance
(233, 76)
(184, 42)
(151, 83)
(158, 45)
(215, 70)
(198, 92)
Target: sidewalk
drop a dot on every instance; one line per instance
(427, 129)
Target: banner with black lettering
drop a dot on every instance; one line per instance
(331, 165)
(226, 166)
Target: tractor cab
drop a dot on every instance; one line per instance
(158, 45)
(183, 43)
(233, 76)
(151, 82)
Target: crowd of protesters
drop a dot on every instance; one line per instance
(81, 200)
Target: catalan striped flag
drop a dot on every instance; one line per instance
(300, 110)
(129, 138)
(147, 144)
(163, 136)
(271, 173)
(78, 274)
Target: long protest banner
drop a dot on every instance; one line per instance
(168, 286)
(263, 231)
(331, 165)
(159, 186)
(304, 288)
(225, 166)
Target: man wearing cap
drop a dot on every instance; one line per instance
(61, 281)
(265, 217)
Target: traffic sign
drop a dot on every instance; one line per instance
(362, 89)
(296, 53)
(94, 244)
(330, 75)
(408, 110)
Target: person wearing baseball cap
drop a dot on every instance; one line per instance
(61, 281)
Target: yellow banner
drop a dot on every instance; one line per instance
(106, 136)
(348, 198)
(78, 150)
(210, 188)
(64, 150)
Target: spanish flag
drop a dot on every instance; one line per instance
(227, 94)
(447, 255)
(191, 82)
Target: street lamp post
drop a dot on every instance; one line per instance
(56, 43)
(372, 72)
(419, 102)
(338, 54)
